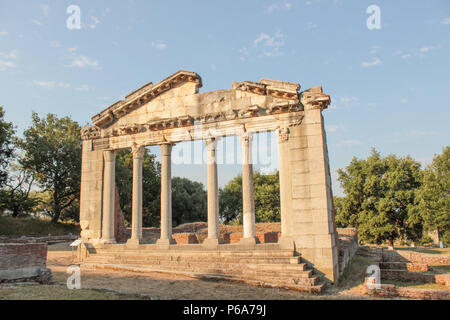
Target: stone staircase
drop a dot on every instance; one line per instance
(264, 266)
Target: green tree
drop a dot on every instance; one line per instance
(188, 201)
(379, 197)
(16, 196)
(151, 186)
(433, 198)
(230, 200)
(266, 195)
(52, 153)
(6, 146)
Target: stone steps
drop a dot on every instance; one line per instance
(271, 270)
(278, 267)
(311, 285)
(194, 253)
(179, 259)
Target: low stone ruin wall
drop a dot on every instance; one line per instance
(24, 262)
(44, 239)
(348, 245)
(416, 257)
(391, 291)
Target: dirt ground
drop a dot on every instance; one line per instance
(169, 286)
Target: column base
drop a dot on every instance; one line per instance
(248, 242)
(211, 242)
(166, 242)
(108, 241)
(133, 242)
(286, 243)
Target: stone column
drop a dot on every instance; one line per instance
(108, 197)
(166, 196)
(213, 194)
(136, 213)
(248, 202)
(285, 183)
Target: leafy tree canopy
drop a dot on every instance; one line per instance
(52, 154)
(379, 197)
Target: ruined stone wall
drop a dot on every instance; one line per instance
(348, 245)
(416, 257)
(23, 262)
(391, 291)
(91, 192)
(310, 218)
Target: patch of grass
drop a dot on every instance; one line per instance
(427, 250)
(57, 292)
(355, 272)
(415, 285)
(445, 269)
(10, 226)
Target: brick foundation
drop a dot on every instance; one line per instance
(24, 262)
(391, 291)
(185, 238)
(416, 257)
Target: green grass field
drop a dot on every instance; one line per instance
(426, 250)
(57, 292)
(10, 226)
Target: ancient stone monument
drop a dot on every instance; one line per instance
(170, 112)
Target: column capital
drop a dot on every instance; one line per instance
(137, 151)
(246, 137)
(109, 155)
(283, 134)
(211, 143)
(166, 149)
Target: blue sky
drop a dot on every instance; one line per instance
(390, 88)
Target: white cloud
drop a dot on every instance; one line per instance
(244, 53)
(374, 62)
(374, 49)
(4, 64)
(37, 22)
(403, 100)
(11, 55)
(3, 33)
(427, 49)
(349, 143)
(347, 101)
(332, 128)
(270, 45)
(94, 23)
(55, 44)
(45, 8)
(159, 45)
(50, 84)
(406, 56)
(407, 135)
(446, 21)
(80, 61)
(311, 26)
(278, 5)
(73, 49)
(83, 88)
(5, 61)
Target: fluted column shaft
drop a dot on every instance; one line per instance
(166, 195)
(136, 213)
(212, 193)
(283, 138)
(109, 157)
(248, 201)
